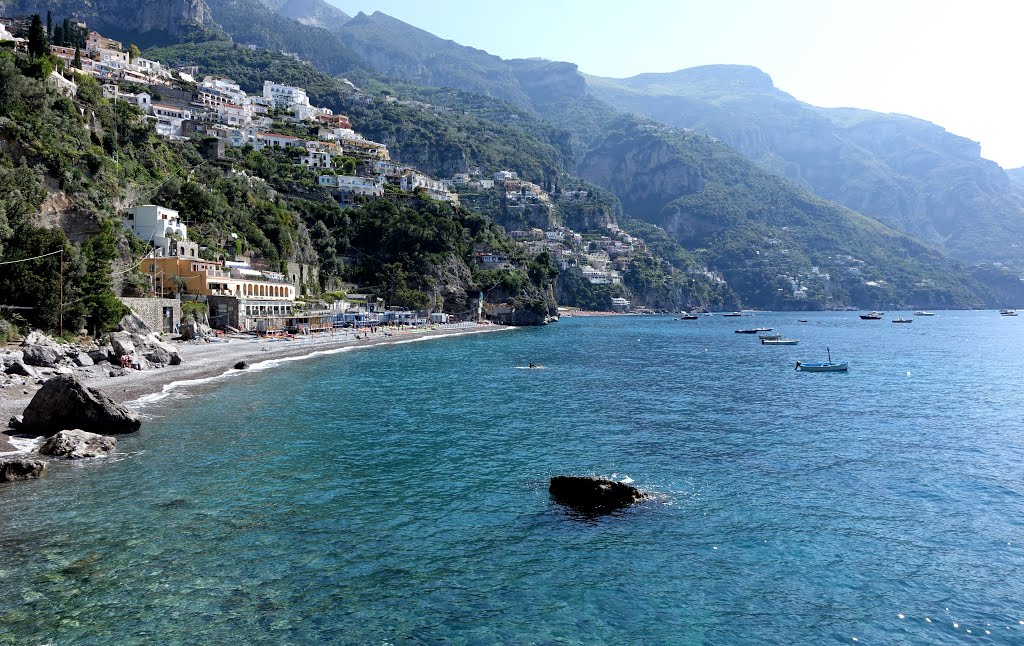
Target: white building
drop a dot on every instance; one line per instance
(620, 305)
(372, 186)
(316, 159)
(163, 229)
(284, 96)
(505, 175)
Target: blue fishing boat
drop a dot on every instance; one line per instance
(823, 366)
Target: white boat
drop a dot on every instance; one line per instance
(1008, 312)
(765, 341)
(923, 313)
(873, 316)
(902, 320)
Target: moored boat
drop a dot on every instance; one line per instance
(902, 320)
(872, 316)
(1008, 312)
(754, 330)
(780, 341)
(686, 316)
(730, 314)
(923, 313)
(823, 366)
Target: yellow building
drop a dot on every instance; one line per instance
(171, 275)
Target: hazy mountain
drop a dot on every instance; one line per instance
(252, 22)
(397, 49)
(756, 227)
(315, 13)
(1016, 174)
(906, 172)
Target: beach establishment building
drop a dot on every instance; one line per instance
(263, 300)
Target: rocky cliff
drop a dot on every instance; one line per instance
(132, 20)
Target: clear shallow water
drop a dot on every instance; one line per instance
(400, 495)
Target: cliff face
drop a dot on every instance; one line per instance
(644, 176)
(548, 81)
(128, 19)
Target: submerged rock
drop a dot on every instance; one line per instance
(64, 402)
(77, 443)
(13, 469)
(595, 495)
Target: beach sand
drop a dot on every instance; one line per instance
(200, 360)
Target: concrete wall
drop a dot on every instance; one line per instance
(152, 311)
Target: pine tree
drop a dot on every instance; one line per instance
(36, 37)
(77, 63)
(49, 24)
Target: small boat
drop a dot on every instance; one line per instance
(765, 341)
(770, 337)
(923, 313)
(902, 320)
(686, 316)
(801, 320)
(732, 314)
(1008, 312)
(872, 316)
(754, 330)
(824, 366)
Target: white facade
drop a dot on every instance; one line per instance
(372, 186)
(284, 96)
(163, 229)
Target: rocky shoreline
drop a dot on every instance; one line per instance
(198, 359)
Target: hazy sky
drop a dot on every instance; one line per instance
(955, 63)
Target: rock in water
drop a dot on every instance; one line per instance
(241, 365)
(590, 494)
(12, 469)
(64, 402)
(78, 444)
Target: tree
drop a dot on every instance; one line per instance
(49, 24)
(134, 52)
(37, 44)
(77, 63)
(102, 309)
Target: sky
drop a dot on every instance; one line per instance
(954, 63)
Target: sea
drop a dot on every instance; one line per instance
(399, 494)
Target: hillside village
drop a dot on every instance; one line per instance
(243, 294)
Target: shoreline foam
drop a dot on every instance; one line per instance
(213, 362)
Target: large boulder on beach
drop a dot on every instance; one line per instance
(148, 347)
(14, 469)
(133, 324)
(40, 350)
(64, 402)
(77, 444)
(595, 495)
(191, 330)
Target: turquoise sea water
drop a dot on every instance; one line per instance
(399, 495)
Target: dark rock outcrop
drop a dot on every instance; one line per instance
(13, 469)
(241, 365)
(136, 340)
(76, 444)
(40, 350)
(64, 402)
(593, 495)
